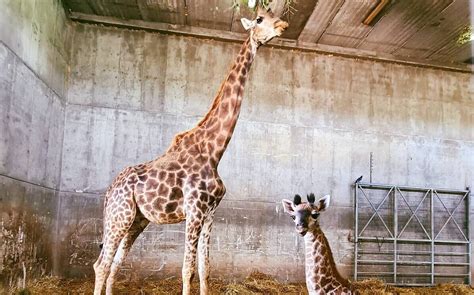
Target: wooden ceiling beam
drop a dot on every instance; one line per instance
(375, 12)
(322, 16)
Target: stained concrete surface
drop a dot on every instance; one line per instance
(32, 125)
(37, 31)
(28, 230)
(33, 72)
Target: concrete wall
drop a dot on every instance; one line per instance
(33, 73)
(308, 124)
(78, 103)
(37, 31)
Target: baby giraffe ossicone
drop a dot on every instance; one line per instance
(322, 276)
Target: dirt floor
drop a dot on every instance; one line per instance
(255, 283)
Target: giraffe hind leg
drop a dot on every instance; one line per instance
(139, 224)
(103, 263)
(116, 226)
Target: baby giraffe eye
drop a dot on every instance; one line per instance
(314, 215)
(293, 217)
(259, 20)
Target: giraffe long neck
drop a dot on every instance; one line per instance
(321, 271)
(217, 126)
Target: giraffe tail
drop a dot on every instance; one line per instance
(106, 198)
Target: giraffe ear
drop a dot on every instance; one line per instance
(288, 206)
(297, 200)
(323, 203)
(311, 198)
(247, 24)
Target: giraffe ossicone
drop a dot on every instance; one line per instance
(183, 184)
(322, 276)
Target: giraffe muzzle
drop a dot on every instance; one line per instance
(280, 27)
(301, 230)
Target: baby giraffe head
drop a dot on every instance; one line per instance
(265, 26)
(306, 215)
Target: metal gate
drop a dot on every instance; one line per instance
(411, 236)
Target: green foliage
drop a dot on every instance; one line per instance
(289, 8)
(466, 36)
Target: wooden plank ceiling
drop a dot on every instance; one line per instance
(425, 30)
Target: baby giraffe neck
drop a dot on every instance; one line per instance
(321, 272)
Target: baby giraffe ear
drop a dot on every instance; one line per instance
(288, 206)
(247, 24)
(311, 198)
(297, 200)
(323, 203)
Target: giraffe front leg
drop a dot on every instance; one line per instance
(203, 254)
(193, 230)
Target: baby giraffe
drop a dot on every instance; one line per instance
(322, 276)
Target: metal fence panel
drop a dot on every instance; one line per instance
(411, 236)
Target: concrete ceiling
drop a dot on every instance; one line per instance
(418, 30)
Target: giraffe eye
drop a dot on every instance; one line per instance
(259, 20)
(315, 215)
(293, 217)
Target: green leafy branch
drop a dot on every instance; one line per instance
(466, 36)
(289, 5)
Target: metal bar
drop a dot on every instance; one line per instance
(450, 216)
(356, 230)
(413, 263)
(459, 242)
(395, 235)
(376, 211)
(391, 273)
(408, 188)
(445, 275)
(425, 274)
(451, 254)
(415, 253)
(432, 235)
(461, 275)
(388, 262)
(469, 278)
(468, 211)
(452, 263)
(413, 214)
(422, 210)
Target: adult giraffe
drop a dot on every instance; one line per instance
(182, 184)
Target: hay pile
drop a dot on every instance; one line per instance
(260, 283)
(256, 283)
(377, 287)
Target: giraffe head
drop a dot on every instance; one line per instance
(306, 214)
(265, 26)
